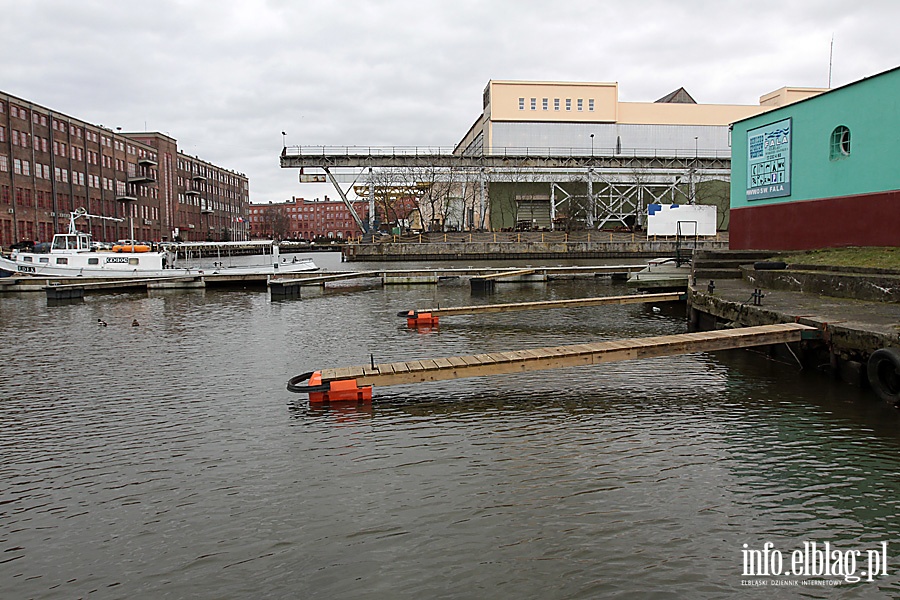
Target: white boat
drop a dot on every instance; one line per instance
(71, 255)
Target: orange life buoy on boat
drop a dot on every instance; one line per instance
(130, 248)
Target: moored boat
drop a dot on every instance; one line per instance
(72, 255)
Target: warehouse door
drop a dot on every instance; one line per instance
(532, 213)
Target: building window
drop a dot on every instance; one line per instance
(580, 104)
(840, 142)
(568, 104)
(545, 103)
(534, 104)
(521, 103)
(590, 104)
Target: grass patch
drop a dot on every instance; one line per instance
(871, 257)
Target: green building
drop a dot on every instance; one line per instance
(822, 172)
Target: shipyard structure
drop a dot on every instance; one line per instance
(553, 156)
(52, 164)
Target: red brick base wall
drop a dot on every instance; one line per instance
(863, 220)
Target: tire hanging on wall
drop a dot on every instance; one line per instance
(883, 371)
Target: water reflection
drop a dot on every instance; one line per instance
(168, 459)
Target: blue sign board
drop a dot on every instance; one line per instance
(769, 161)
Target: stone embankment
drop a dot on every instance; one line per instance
(856, 310)
(526, 245)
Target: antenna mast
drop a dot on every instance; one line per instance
(830, 60)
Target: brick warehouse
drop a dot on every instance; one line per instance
(298, 218)
(51, 164)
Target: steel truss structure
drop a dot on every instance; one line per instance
(616, 189)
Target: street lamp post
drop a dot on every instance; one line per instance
(592, 144)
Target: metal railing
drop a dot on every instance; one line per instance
(512, 151)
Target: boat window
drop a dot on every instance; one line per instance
(45, 260)
(132, 261)
(93, 261)
(27, 259)
(62, 261)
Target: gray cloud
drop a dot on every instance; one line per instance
(226, 77)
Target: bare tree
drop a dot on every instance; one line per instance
(275, 222)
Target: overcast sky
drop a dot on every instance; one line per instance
(226, 77)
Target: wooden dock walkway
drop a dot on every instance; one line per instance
(543, 305)
(354, 383)
(509, 273)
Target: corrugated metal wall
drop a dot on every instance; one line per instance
(612, 138)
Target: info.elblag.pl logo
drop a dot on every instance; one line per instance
(820, 563)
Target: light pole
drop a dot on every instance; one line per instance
(592, 144)
(283, 139)
(695, 146)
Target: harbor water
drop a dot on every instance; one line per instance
(167, 460)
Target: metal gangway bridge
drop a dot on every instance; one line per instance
(619, 182)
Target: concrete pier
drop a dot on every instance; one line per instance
(853, 328)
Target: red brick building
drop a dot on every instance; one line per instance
(51, 164)
(301, 219)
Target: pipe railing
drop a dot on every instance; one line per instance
(512, 151)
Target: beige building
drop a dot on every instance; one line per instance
(588, 119)
(563, 115)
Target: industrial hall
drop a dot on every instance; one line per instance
(552, 156)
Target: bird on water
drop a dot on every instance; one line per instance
(101, 322)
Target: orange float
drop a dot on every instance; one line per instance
(416, 320)
(131, 248)
(342, 390)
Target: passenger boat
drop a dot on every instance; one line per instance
(71, 255)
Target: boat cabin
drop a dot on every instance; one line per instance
(71, 241)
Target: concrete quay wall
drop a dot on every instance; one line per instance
(405, 251)
(844, 337)
(852, 329)
(869, 284)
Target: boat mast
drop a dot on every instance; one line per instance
(81, 212)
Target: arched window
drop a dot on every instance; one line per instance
(840, 143)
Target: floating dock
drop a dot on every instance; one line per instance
(67, 287)
(289, 286)
(430, 316)
(355, 384)
(661, 274)
(71, 291)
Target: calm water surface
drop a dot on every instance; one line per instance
(168, 460)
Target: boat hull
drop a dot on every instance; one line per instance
(143, 269)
